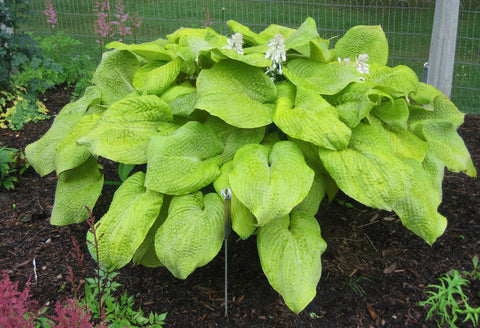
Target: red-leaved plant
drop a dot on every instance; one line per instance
(17, 309)
(14, 304)
(71, 314)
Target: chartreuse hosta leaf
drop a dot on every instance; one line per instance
(115, 74)
(181, 99)
(184, 161)
(325, 79)
(368, 169)
(355, 102)
(243, 221)
(156, 76)
(447, 145)
(241, 95)
(145, 253)
(363, 39)
(270, 181)
(311, 203)
(123, 131)
(154, 50)
(41, 154)
(192, 234)
(399, 81)
(71, 154)
(268, 33)
(249, 36)
(406, 144)
(309, 117)
(76, 189)
(395, 113)
(124, 227)
(234, 138)
(418, 210)
(301, 38)
(290, 248)
(437, 108)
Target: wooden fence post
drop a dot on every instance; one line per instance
(442, 45)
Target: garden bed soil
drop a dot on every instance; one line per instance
(374, 270)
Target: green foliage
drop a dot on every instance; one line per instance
(19, 108)
(14, 44)
(199, 110)
(118, 312)
(59, 62)
(354, 284)
(448, 302)
(29, 65)
(12, 162)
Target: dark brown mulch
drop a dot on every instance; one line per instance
(391, 265)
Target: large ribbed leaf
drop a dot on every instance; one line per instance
(249, 36)
(123, 132)
(76, 189)
(290, 249)
(71, 154)
(306, 32)
(270, 182)
(123, 228)
(145, 253)
(363, 39)
(41, 153)
(273, 29)
(406, 144)
(395, 113)
(239, 94)
(399, 81)
(312, 119)
(234, 138)
(368, 170)
(176, 36)
(353, 103)
(192, 234)
(155, 77)
(184, 161)
(311, 203)
(154, 50)
(181, 99)
(243, 221)
(438, 108)
(447, 145)
(115, 74)
(325, 79)
(319, 51)
(418, 210)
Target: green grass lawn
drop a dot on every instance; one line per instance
(407, 24)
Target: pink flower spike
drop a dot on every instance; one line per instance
(50, 13)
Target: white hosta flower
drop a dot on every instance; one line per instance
(344, 61)
(277, 53)
(235, 43)
(361, 64)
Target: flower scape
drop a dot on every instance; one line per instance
(280, 118)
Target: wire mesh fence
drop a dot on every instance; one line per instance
(407, 24)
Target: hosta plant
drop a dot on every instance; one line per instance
(280, 118)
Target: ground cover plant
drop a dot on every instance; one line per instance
(448, 301)
(31, 64)
(279, 118)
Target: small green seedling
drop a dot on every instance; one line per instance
(448, 301)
